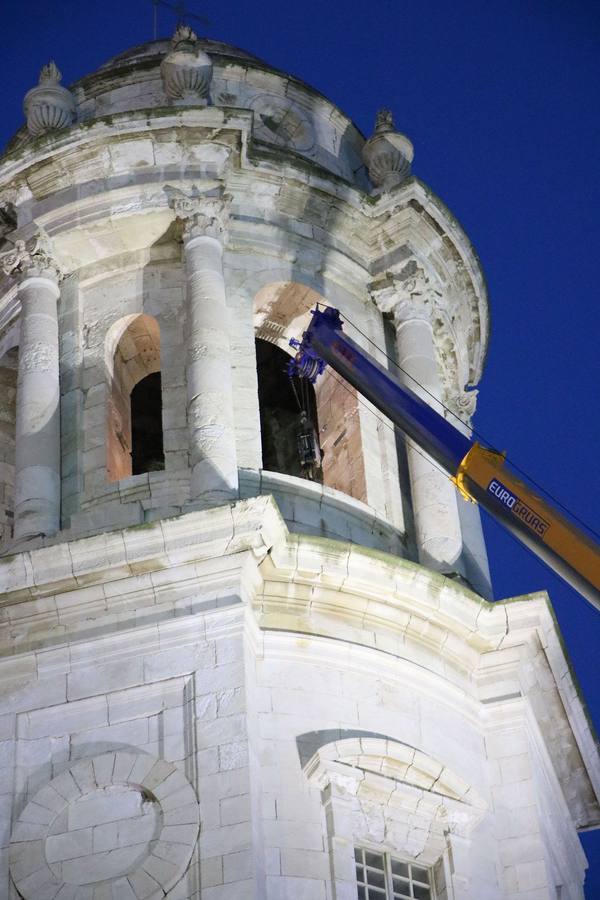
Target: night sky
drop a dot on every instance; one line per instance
(501, 101)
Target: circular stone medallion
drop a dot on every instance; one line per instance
(125, 820)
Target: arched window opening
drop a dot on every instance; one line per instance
(134, 440)
(288, 417)
(147, 454)
(281, 310)
(8, 406)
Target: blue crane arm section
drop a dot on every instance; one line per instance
(478, 473)
(444, 443)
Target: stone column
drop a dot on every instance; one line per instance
(476, 567)
(434, 502)
(214, 476)
(37, 442)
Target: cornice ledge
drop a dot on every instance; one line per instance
(139, 124)
(414, 190)
(375, 599)
(253, 525)
(413, 221)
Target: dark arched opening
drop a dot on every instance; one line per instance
(8, 412)
(147, 454)
(288, 417)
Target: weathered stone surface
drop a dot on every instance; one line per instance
(104, 833)
(48, 106)
(216, 680)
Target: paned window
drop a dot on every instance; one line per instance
(380, 876)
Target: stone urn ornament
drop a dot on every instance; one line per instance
(387, 154)
(187, 70)
(49, 106)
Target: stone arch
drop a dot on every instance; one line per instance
(381, 793)
(8, 414)
(281, 311)
(133, 368)
(389, 758)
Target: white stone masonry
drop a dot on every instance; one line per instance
(437, 525)
(37, 446)
(209, 387)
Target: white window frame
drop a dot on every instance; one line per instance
(388, 859)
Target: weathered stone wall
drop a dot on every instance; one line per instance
(205, 705)
(154, 290)
(161, 684)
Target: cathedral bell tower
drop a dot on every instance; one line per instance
(248, 647)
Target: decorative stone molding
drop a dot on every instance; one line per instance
(53, 844)
(387, 154)
(186, 71)
(48, 106)
(462, 403)
(32, 258)
(413, 293)
(201, 215)
(408, 294)
(377, 791)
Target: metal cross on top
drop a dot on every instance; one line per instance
(183, 14)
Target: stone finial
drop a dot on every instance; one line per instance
(186, 71)
(50, 74)
(184, 38)
(201, 215)
(384, 121)
(49, 106)
(30, 258)
(387, 154)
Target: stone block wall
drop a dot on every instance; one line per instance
(204, 709)
(154, 290)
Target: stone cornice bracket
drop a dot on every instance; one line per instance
(200, 215)
(49, 106)
(186, 71)
(387, 154)
(31, 259)
(408, 294)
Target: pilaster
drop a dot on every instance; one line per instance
(213, 459)
(37, 443)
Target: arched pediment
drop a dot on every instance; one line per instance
(387, 758)
(393, 795)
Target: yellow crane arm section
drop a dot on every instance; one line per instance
(482, 470)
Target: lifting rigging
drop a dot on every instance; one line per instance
(479, 473)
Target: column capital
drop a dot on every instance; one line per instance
(31, 259)
(201, 215)
(408, 294)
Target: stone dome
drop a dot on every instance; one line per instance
(288, 114)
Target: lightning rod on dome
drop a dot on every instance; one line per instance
(182, 14)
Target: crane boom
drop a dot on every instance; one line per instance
(479, 473)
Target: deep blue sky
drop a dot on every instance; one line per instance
(501, 100)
